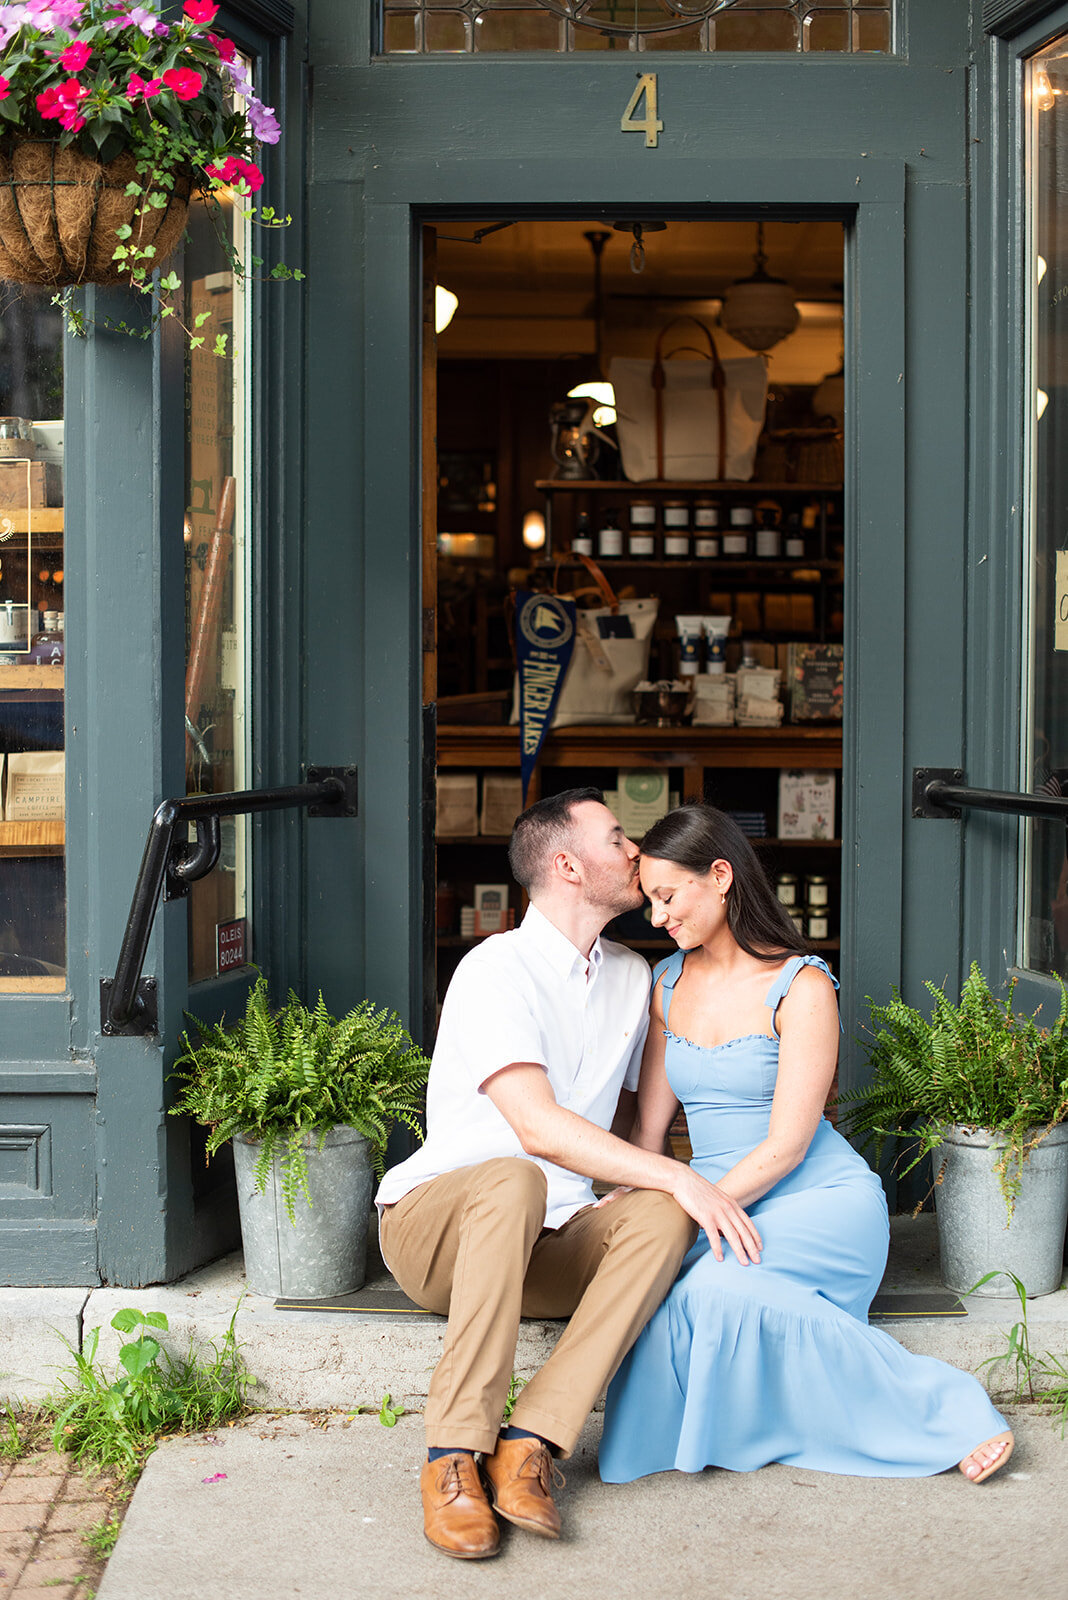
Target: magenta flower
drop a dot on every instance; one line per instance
(236, 171)
(225, 47)
(76, 55)
(5, 87)
(140, 86)
(200, 10)
(184, 82)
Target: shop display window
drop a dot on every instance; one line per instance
(216, 535)
(1045, 931)
(32, 758)
(843, 27)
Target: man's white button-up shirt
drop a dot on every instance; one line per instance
(529, 996)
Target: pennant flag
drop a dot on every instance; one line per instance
(544, 638)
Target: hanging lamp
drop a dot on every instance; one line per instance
(759, 311)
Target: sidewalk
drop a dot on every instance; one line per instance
(283, 1507)
(45, 1507)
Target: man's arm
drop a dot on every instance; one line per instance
(524, 1097)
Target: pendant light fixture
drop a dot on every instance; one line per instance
(759, 311)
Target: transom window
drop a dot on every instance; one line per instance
(469, 27)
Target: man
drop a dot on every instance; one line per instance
(493, 1218)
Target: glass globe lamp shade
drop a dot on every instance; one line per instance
(759, 311)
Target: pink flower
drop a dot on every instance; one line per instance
(140, 86)
(225, 47)
(5, 87)
(184, 82)
(62, 101)
(76, 55)
(200, 10)
(236, 171)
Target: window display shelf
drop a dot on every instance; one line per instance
(32, 838)
(35, 520)
(30, 676)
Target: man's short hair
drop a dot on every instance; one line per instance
(542, 830)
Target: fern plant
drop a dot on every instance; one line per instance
(976, 1063)
(283, 1076)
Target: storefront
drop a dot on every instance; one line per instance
(901, 161)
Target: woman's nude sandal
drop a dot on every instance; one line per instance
(1005, 1439)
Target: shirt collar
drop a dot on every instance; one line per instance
(557, 948)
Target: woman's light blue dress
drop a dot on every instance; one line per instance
(743, 1365)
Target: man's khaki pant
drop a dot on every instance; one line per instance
(471, 1245)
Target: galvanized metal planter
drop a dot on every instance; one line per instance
(325, 1251)
(972, 1234)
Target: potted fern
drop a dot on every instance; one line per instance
(309, 1101)
(984, 1091)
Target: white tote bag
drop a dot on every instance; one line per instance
(685, 420)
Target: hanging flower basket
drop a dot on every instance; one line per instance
(60, 209)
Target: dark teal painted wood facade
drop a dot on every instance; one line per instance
(917, 153)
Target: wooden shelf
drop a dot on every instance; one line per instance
(35, 520)
(664, 486)
(818, 745)
(31, 676)
(777, 570)
(32, 838)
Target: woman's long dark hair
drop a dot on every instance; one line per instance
(694, 837)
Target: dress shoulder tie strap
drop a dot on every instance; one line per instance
(670, 969)
(779, 989)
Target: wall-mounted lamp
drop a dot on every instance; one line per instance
(445, 303)
(534, 530)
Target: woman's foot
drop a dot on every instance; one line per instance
(987, 1458)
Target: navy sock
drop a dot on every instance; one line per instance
(437, 1451)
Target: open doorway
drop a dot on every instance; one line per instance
(751, 557)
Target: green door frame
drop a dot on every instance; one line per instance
(870, 196)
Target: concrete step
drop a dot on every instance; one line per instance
(310, 1360)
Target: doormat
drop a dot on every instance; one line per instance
(383, 1298)
(918, 1303)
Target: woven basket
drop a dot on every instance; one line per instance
(59, 211)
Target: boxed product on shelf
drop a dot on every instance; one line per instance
(502, 801)
(35, 786)
(754, 711)
(491, 907)
(457, 803)
(23, 483)
(806, 804)
(814, 674)
(713, 704)
(643, 799)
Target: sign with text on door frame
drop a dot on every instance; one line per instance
(231, 944)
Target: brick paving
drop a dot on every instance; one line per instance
(45, 1506)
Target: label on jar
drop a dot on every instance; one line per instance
(818, 926)
(816, 891)
(706, 516)
(582, 545)
(735, 544)
(795, 546)
(786, 890)
(767, 542)
(741, 516)
(610, 542)
(641, 545)
(676, 544)
(706, 547)
(676, 516)
(642, 514)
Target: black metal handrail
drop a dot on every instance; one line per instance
(169, 865)
(942, 791)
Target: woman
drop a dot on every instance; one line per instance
(747, 1364)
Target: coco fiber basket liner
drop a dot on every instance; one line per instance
(59, 211)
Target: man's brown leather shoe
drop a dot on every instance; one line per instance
(456, 1515)
(521, 1474)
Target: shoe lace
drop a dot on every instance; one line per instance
(542, 1466)
(454, 1471)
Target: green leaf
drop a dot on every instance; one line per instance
(389, 1412)
(139, 1356)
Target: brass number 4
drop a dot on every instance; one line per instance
(650, 124)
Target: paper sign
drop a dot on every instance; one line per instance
(230, 943)
(1060, 621)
